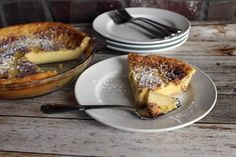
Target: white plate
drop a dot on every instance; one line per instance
(129, 33)
(138, 46)
(147, 50)
(107, 83)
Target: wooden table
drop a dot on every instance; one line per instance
(25, 131)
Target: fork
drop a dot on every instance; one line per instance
(115, 16)
(125, 14)
(51, 108)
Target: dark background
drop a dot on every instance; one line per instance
(84, 11)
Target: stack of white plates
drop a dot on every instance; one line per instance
(128, 37)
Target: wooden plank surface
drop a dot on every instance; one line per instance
(223, 112)
(29, 154)
(26, 131)
(223, 32)
(86, 137)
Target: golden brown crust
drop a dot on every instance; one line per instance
(149, 110)
(170, 69)
(66, 36)
(153, 110)
(30, 78)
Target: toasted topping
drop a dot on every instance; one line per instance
(8, 63)
(154, 71)
(147, 77)
(26, 68)
(26, 44)
(29, 78)
(47, 37)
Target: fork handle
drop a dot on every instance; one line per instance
(51, 108)
(164, 31)
(171, 29)
(57, 108)
(156, 33)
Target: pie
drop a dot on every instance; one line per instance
(154, 81)
(23, 47)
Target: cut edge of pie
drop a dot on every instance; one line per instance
(41, 57)
(154, 81)
(156, 104)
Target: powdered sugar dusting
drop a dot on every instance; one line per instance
(23, 43)
(5, 64)
(188, 111)
(147, 77)
(116, 86)
(114, 89)
(12, 51)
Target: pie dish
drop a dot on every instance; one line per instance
(38, 58)
(155, 79)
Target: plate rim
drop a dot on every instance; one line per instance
(148, 130)
(145, 51)
(145, 46)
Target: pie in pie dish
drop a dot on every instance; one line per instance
(23, 47)
(154, 81)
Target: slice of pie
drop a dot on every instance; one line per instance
(154, 81)
(23, 47)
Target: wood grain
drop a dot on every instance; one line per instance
(29, 154)
(223, 112)
(83, 137)
(193, 48)
(222, 32)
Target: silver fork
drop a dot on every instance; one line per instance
(50, 108)
(118, 19)
(128, 17)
